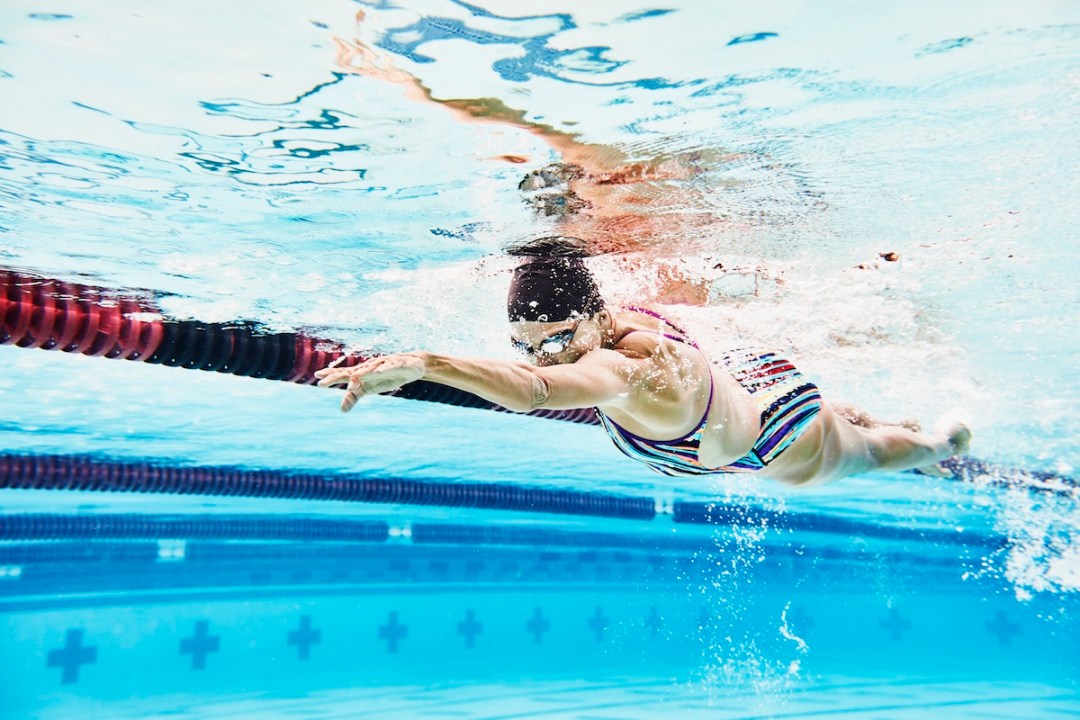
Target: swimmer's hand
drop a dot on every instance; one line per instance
(374, 376)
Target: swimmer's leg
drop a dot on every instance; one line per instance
(834, 447)
(898, 448)
(863, 419)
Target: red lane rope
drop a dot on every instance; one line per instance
(37, 312)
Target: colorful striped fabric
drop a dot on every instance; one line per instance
(788, 405)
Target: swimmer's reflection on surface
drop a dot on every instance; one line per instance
(643, 207)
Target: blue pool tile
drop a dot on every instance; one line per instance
(1003, 628)
(895, 624)
(704, 623)
(800, 619)
(654, 622)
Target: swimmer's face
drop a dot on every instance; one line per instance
(551, 343)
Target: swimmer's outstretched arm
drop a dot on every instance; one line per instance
(601, 377)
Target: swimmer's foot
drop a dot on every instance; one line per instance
(958, 440)
(959, 437)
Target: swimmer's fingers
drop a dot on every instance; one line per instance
(386, 374)
(328, 380)
(349, 401)
(331, 367)
(332, 375)
(378, 375)
(334, 378)
(354, 389)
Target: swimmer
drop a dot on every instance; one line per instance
(662, 401)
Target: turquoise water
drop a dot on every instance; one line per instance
(278, 164)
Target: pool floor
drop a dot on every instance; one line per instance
(627, 699)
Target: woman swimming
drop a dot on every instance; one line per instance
(662, 401)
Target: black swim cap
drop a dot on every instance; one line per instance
(552, 289)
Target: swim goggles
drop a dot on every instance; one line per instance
(551, 345)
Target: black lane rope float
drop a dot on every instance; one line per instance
(82, 473)
(41, 526)
(63, 527)
(38, 312)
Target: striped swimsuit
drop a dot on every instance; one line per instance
(788, 404)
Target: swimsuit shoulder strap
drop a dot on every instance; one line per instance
(652, 313)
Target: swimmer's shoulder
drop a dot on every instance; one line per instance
(648, 344)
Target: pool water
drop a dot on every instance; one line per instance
(885, 193)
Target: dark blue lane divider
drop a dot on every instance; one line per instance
(38, 542)
(456, 534)
(276, 528)
(76, 472)
(188, 527)
(57, 552)
(743, 515)
(59, 527)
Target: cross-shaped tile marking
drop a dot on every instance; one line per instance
(71, 656)
(469, 627)
(654, 622)
(1003, 628)
(895, 624)
(392, 632)
(304, 637)
(598, 623)
(200, 645)
(538, 625)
